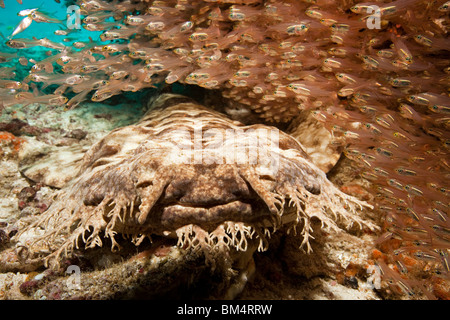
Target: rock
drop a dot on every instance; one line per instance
(50, 165)
(317, 141)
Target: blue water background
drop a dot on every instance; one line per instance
(9, 20)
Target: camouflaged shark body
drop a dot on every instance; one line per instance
(189, 173)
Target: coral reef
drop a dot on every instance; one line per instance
(376, 77)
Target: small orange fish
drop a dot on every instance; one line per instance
(44, 42)
(93, 5)
(77, 99)
(27, 98)
(25, 23)
(396, 6)
(239, 13)
(49, 79)
(362, 8)
(91, 84)
(39, 16)
(98, 17)
(10, 84)
(28, 43)
(401, 49)
(5, 56)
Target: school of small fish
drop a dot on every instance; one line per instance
(376, 74)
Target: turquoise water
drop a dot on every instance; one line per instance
(9, 20)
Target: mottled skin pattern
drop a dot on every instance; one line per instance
(145, 179)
